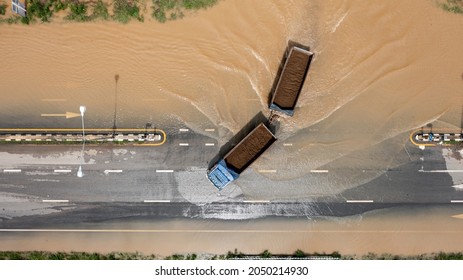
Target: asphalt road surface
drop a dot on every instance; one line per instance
(170, 181)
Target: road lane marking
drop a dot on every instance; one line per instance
(183, 144)
(107, 171)
(287, 144)
(359, 201)
(440, 171)
(183, 130)
(267, 171)
(67, 115)
(12, 170)
(154, 99)
(53, 100)
(55, 201)
(62, 170)
(456, 201)
(318, 171)
(164, 170)
(219, 230)
(209, 144)
(256, 201)
(155, 201)
(209, 129)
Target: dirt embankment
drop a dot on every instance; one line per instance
(250, 148)
(292, 78)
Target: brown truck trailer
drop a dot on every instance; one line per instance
(241, 156)
(291, 80)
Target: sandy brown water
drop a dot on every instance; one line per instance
(406, 231)
(381, 68)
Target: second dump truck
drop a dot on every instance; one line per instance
(291, 80)
(241, 156)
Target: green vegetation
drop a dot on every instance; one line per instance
(2, 9)
(182, 257)
(100, 11)
(60, 5)
(125, 10)
(41, 255)
(453, 6)
(40, 9)
(175, 8)
(78, 12)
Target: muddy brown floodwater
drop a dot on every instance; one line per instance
(381, 69)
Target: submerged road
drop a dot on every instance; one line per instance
(170, 181)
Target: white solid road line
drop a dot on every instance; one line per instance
(359, 201)
(256, 201)
(62, 170)
(113, 171)
(164, 171)
(11, 170)
(55, 201)
(210, 129)
(155, 201)
(440, 171)
(318, 171)
(267, 171)
(183, 129)
(183, 144)
(209, 144)
(456, 201)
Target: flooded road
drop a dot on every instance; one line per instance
(380, 70)
(403, 231)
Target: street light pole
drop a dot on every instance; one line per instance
(82, 109)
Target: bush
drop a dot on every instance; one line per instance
(175, 8)
(78, 12)
(100, 10)
(299, 254)
(2, 9)
(453, 6)
(42, 10)
(60, 5)
(125, 10)
(198, 4)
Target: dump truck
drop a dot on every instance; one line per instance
(290, 81)
(229, 168)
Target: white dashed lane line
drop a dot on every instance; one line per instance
(62, 170)
(112, 171)
(209, 144)
(11, 170)
(164, 171)
(155, 201)
(183, 130)
(55, 201)
(256, 201)
(359, 201)
(287, 144)
(209, 129)
(318, 171)
(183, 144)
(267, 171)
(456, 201)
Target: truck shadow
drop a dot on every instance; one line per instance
(282, 64)
(247, 128)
